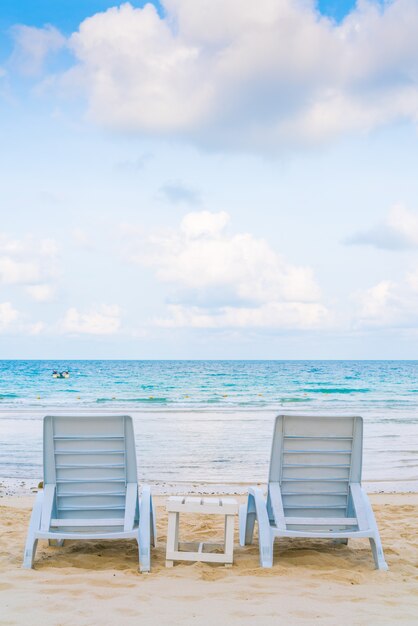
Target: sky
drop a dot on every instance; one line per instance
(200, 179)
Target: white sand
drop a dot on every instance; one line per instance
(311, 581)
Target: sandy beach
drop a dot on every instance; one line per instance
(311, 581)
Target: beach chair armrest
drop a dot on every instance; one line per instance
(363, 508)
(36, 516)
(255, 508)
(258, 495)
(147, 528)
(260, 504)
(247, 517)
(131, 506)
(146, 494)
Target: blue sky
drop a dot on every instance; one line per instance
(67, 14)
(199, 182)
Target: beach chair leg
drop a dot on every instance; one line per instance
(153, 525)
(56, 543)
(257, 503)
(144, 558)
(247, 516)
(172, 536)
(364, 506)
(30, 551)
(377, 550)
(229, 539)
(34, 525)
(144, 531)
(265, 545)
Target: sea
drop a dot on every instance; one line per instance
(211, 421)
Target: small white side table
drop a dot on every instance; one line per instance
(177, 551)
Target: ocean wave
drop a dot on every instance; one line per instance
(338, 390)
(319, 383)
(151, 399)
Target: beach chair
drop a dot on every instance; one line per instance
(314, 487)
(90, 488)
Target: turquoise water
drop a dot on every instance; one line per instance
(385, 387)
(212, 420)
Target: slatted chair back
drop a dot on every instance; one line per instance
(313, 460)
(90, 460)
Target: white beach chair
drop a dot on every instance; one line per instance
(91, 486)
(314, 487)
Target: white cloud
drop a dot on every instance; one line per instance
(104, 321)
(13, 272)
(33, 45)
(35, 329)
(218, 279)
(405, 224)
(389, 304)
(8, 315)
(375, 301)
(26, 261)
(8, 245)
(200, 255)
(282, 315)
(412, 280)
(399, 231)
(244, 75)
(13, 321)
(203, 223)
(41, 293)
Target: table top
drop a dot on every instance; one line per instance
(192, 504)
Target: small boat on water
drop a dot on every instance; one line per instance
(64, 374)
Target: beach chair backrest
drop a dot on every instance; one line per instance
(314, 458)
(90, 459)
